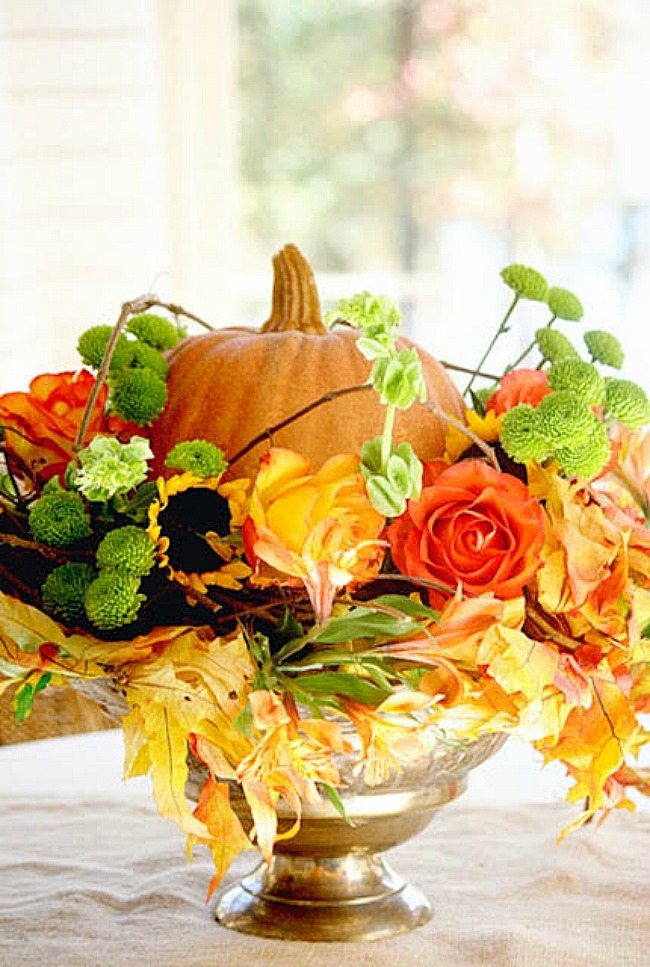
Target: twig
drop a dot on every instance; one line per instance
(51, 553)
(481, 444)
(468, 369)
(269, 431)
(142, 304)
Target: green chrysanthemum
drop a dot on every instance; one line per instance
(126, 549)
(92, 346)
(143, 355)
(526, 282)
(564, 419)
(59, 519)
(108, 468)
(199, 457)
(604, 348)
(564, 304)
(588, 458)
(520, 435)
(554, 345)
(113, 600)
(155, 330)
(627, 402)
(64, 589)
(138, 395)
(578, 377)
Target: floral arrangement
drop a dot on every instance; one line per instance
(504, 587)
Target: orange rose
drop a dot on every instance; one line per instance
(41, 425)
(472, 525)
(519, 386)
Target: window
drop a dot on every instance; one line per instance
(412, 147)
(417, 146)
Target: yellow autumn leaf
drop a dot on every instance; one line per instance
(194, 677)
(518, 663)
(137, 758)
(168, 748)
(30, 639)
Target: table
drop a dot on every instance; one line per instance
(91, 876)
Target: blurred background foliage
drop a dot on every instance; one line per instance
(436, 140)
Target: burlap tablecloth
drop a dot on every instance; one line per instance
(105, 883)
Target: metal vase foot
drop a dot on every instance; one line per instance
(330, 898)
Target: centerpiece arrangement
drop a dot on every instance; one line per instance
(303, 568)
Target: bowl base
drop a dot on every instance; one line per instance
(354, 897)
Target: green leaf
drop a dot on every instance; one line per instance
(43, 682)
(364, 623)
(344, 683)
(23, 701)
(383, 497)
(333, 795)
(244, 721)
(409, 606)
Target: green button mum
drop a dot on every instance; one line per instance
(526, 282)
(59, 519)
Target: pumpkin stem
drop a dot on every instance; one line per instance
(295, 297)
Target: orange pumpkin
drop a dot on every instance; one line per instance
(229, 385)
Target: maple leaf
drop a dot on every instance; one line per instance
(593, 745)
(167, 747)
(227, 838)
(518, 663)
(31, 640)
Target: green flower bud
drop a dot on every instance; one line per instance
(155, 330)
(63, 591)
(92, 347)
(564, 304)
(143, 355)
(376, 315)
(526, 282)
(564, 419)
(627, 402)
(59, 519)
(399, 379)
(198, 457)
(138, 395)
(108, 468)
(389, 488)
(588, 458)
(383, 496)
(578, 377)
(126, 549)
(520, 435)
(554, 345)
(604, 348)
(112, 600)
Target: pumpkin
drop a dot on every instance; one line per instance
(230, 385)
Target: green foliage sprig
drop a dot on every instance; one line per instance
(393, 474)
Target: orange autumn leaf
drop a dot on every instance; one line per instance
(593, 745)
(227, 838)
